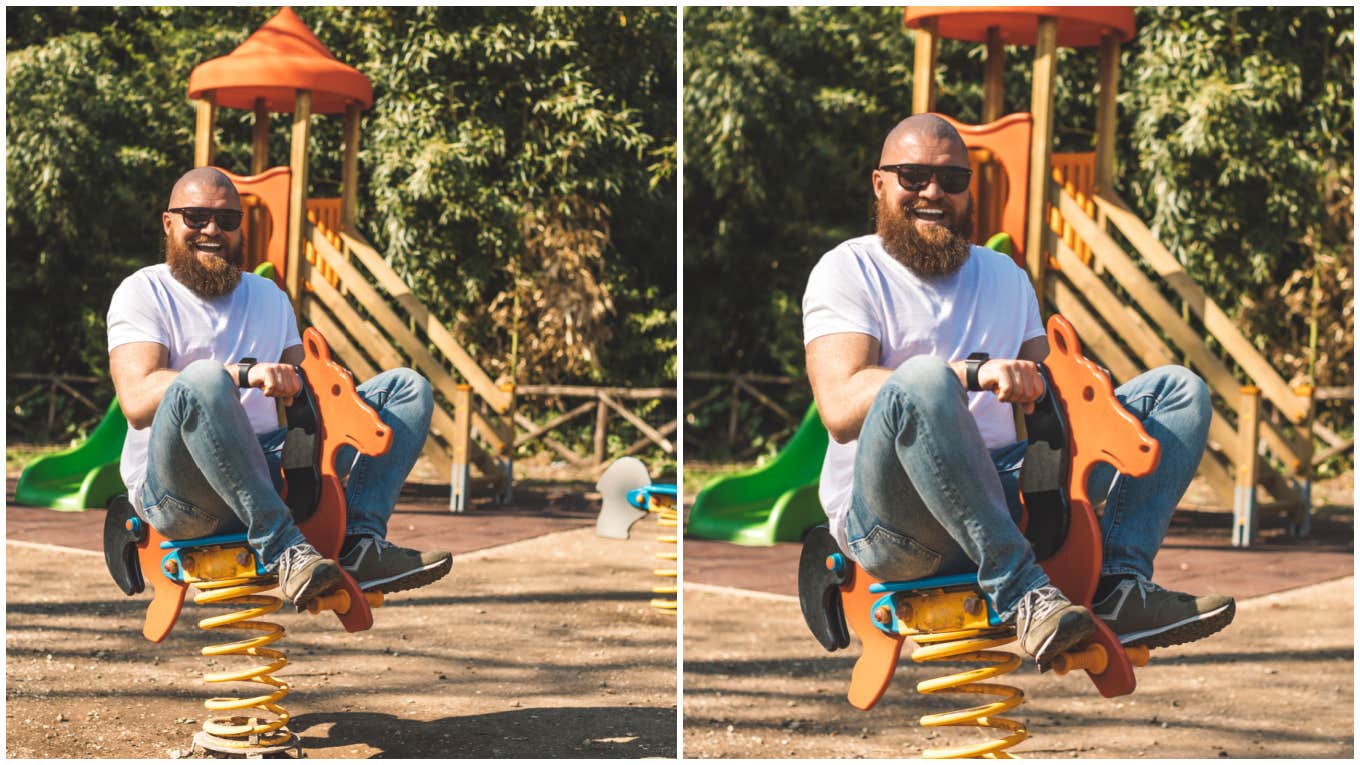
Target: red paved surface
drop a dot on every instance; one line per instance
(1197, 556)
(421, 519)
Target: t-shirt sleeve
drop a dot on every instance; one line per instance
(291, 336)
(1034, 326)
(134, 316)
(837, 299)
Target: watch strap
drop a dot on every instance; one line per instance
(243, 371)
(972, 364)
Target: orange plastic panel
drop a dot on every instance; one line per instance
(1007, 139)
(1100, 430)
(1078, 26)
(875, 666)
(345, 419)
(167, 595)
(271, 189)
(280, 58)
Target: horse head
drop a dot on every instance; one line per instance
(1102, 430)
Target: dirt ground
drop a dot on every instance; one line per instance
(1278, 682)
(543, 648)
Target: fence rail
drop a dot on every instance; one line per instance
(605, 403)
(739, 385)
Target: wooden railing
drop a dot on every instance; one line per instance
(604, 403)
(373, 321)
(742, 385)
(58, 386)
(1130, 324)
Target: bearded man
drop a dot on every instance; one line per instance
(917, 342)
(197, 352)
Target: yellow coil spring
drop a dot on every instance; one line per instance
(668, 518)
(971, 645)
(249, 730)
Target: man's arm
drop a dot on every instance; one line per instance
(140, 379)
(843, 371)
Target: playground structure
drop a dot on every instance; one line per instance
(336, 280)
(1086, 253)
(627, 495)
(226, 571)
(1076, 425)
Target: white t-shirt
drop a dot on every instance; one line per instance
(254, 320)
(988, 305)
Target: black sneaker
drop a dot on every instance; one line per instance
(304, 574)
(377, 564)
(1048, 624)
(1139, 612)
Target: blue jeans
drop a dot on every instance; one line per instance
(929, 498)
(208, 473)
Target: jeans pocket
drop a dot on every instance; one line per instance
(177, 519)
(892, 556)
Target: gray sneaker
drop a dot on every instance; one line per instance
(377, 564)
(304, 574)
(1049, 624)
(1140, 612)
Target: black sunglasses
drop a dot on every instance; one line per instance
(913, 177)
(197, 217)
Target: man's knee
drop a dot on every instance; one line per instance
(1188, 390)
(415, 385)
(924, 378)
(205, 379)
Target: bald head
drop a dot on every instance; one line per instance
(919, 129)
(201, 180)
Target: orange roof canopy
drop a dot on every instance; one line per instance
(280, 58)
(1078, 26)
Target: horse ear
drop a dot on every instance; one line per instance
(1062, 337)
(315, 344)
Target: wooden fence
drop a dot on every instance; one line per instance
(604, 404)
(737, 386)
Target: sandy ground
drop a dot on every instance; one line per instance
(1278, 682)
(542, 648)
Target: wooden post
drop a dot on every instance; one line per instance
(1301, 522)
(1244, 492)
(460, 477)
(733, 404)
(994, 78)
(923, 78)
(259, 157)
(205, 121)
(1107, 113)
(990, 201)
(297, 197)
(349, 179)
(1041, 142)
(507, 493)
(601, 422)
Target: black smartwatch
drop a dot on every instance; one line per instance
(973, 363)
(243, 371)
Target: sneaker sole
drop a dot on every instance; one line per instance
(410, 580)
(1070, 632)
(1187, 630)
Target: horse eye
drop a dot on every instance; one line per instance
(1088, 393)
(335, 390)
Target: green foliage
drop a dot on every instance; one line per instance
(483, 118)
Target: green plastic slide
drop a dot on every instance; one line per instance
(768, 504)
(85, 475)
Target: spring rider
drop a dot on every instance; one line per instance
(628, 495)
(1078, 423)
(326, 415)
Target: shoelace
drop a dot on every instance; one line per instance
(1041, 602)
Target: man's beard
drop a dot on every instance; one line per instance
(939, 251)
(215, 280)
